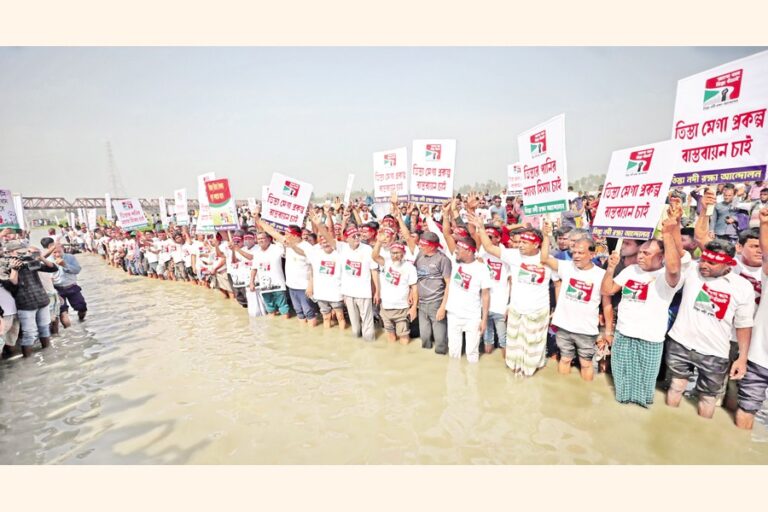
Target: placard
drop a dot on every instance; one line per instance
(108, 207)
(204, 219)
(545, 174)
(635, 190)
(433, 170)
(92, 219)
(390, 174)
(222, 205)
(348, 189)
(163, 211)
(180, 207)
(8, 216)
(18, 205)
(720, 122)
(514, 180)
(286, 201)
(129, 213)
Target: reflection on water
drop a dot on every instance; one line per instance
(170, 373)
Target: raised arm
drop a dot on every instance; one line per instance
(670, 232)
(376, 254)
(449, 240)
(321, 230)
(546, 259)
(477, 222)
(608, 286)
(701, 230)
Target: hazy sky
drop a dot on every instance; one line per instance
(317, 113)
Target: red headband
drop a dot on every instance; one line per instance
(350, 231)
(237, 239)
(427, 243)
(462, 232)
(466, 246)
(249, 235)
(716, 258)
(530, 237)
(293, 231)
(389, 230)
(398, 246)
(492, 232)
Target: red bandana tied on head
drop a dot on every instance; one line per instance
(237, 239)
(717, 258)
(492, 232)
(530, 237)
(249, 236)
(427, 243)
(465, 246)
(397, 246)
(461, 232)
(351, 231)
(293, 231)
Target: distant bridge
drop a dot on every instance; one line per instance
(61, 203)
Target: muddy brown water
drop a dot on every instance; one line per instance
(169, 373)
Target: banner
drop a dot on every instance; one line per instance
(204, 219)
(18, 205)
(286, 202)
(390, 174)
(433, 169)
(720, 121)
(92, 218)
(545, 175)
(514, 180)
(108, 206)
(129, 213)
(222, 204)
(264, 194)
(348, 190)
(8, 217)
(180, 207)
(635, 190)
(163, 211)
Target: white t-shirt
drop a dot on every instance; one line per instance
(710, 308)
(269, 267)
(188, 250)
(753, 276)
(326, 274)
(578, 303)
(177, 254)
(396, 280)
(356, 270)
(498, 271)
(758, 348)
(7, 301)
(467, 280)
(297, 267)
(166, 247)
(530, 281)
(644, 307)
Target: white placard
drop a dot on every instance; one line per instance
(180, 206)
(635, 190)
(8, 216)
(433, 170)
(204, 219)
(129, 213)
(107, 207)
(286, 202)
(514, 180)
(545, 173)
(348, 190)
(390, 174)
(18, 205)
(92, 224)
(720, 122)
(163, 211)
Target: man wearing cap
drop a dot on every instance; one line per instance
(433, 270)
(30, 297)
(399, 295)
(358, 286)
(529, 300)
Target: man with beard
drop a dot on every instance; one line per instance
(399, 294)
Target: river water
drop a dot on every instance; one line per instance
(169, 373)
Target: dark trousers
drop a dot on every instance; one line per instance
(71, 296)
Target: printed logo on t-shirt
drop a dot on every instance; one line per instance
(712, 302)
(266, 267)
(328, 267)
(579, 290)
(635, 290)
(494, 267)
(353, 268)
(462, 279)
(530, 274)
(392, 277)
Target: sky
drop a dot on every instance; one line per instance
(317, 114)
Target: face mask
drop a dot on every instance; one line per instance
(438, 216)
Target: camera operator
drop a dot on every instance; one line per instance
(29, 294)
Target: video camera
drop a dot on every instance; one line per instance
(28, 259)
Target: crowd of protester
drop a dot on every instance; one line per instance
(473, 276)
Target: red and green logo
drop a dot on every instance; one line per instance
(635, 290)
(462, 279)
(639, 162)
(218, 192)
(531, 274)
(723, 88)
(494, 267)
(538, 143)
(353, 268)
(390, 160)
(433, 152)
(392, 277)
(579, 290)
(712, 302)
(291, 188)
(327, 267)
